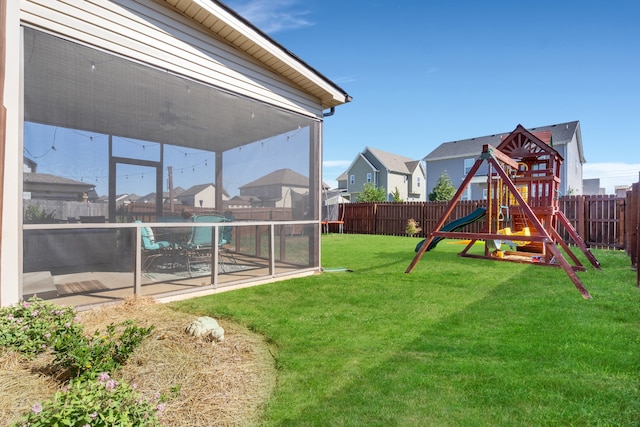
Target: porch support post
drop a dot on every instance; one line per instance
(137, 272)
(215, 253)
(218, 182)
(315, 195)
(272, 250)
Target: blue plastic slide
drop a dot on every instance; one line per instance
(455, 225)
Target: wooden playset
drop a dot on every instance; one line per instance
(522, 214)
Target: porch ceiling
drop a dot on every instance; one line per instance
(69, 85)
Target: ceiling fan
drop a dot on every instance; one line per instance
(169, 120)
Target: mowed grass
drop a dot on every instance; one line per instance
(458, 342)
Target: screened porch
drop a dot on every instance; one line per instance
(141, 181)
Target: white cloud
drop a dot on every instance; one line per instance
(612, 174)
(272, 16)
(332, 169)
(336, 164)
(344, 79)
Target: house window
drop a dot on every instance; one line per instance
(352, 179)
(369, 177)
(466, 194)
(468, 164)
(484, 194)
(418, 182)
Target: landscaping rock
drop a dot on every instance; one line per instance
(206, 327)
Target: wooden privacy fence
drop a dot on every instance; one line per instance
(147, 212)
(633, 227)
(600, 220)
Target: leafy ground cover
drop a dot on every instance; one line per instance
(457, 342)
(206, 384)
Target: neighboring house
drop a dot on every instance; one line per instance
(457, 157)
(44, 186)
(112, 85)
(29, 165)
(343, 180)
(239, 202)
(385, 170)
(283, 188)
(621, 190)
(591, 187)
(121, 199)
(151, 197)
(201, 195)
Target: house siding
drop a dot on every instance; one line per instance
(573, 178)
(417, 185)
(136, 29)
(207, 195)
(451, 166)
(360, 168)
(382, 181)
(567, 172)
(397, 181)
(455, 170)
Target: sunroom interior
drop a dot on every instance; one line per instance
(139, 136)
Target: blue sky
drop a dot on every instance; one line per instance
(423, 72)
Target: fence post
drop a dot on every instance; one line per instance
(375, 218)
(582, 209)
(620, 212)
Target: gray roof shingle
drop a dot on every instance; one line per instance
(562, 133)
(393, 162)
(45, 178)
(195, 189)
(281, 177)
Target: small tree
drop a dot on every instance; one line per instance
(396, 196)
(372, 194)
(443, 190)
(413, 227)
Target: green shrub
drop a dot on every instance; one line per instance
(371, 193)
(35, 215)
(444, 190)
(104, 352)
(31, 327)
(412, 227)
(92, 398)
(100, 402)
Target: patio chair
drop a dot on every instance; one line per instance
(149, 241)
(198, 248)
(152, 250)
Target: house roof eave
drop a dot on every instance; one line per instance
(355, 160)
(390, 161)
(578, 135)
(243, 35)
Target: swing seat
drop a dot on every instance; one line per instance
(524, 232)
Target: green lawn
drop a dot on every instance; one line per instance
(458, 342)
